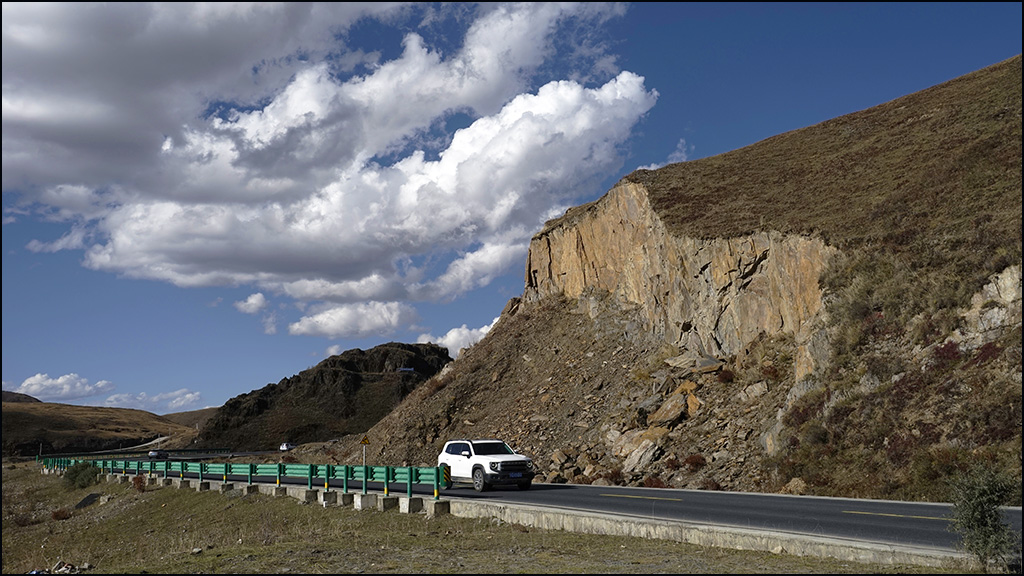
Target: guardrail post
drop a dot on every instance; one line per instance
(327, 478)
(387, 478)
(437, 481)
(309, 477)
(409, 484)
(366, 469)
(280, 470)
(249, 476)
(346, 469)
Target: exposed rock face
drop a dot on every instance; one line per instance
(707, 297)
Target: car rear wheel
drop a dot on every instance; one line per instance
(446, 476)
(479, 484)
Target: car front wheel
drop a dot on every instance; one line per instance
(478, 480)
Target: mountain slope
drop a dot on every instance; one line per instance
(344, 394)
(835, 310)
(32, 428)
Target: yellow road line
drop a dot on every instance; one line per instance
(641, 497)
(893, 515)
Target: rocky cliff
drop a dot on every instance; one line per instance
(709, 298)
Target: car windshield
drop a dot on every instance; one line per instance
(491, 448)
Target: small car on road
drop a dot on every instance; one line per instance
(485, 463)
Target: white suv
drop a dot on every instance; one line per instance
(485, 463)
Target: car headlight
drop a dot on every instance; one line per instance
(529, 464)
(495, 466)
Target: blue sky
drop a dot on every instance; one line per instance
(199, 200)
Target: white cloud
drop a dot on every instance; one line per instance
(680, 154)
(356, 320)
(251, 145)
(62, 388)
(458, 338)
(269, 323)
(253, 304)
(181, 400)
(73, 387)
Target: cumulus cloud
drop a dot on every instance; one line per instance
(62, 388)
(253, 304)
(274, 146)
(356, 320)
(456, 339)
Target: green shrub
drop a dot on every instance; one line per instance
(81, 475)
(977, 495)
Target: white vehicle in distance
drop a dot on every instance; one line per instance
(286, 446)
(485, 463)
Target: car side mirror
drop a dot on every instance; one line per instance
(465, 453)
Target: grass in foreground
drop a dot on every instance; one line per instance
(166, 530)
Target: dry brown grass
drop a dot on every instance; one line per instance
(66, 427)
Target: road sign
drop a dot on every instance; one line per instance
(365, 440)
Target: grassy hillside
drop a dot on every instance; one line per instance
(31, 427)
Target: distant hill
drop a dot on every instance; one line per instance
(32, 428)
(344, 394)
(195, 419)
(18, 397)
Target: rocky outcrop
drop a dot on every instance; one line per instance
(706, 297)
(344, 394)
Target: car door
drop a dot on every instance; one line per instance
(461, 465)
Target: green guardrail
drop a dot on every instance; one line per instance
(313, 474)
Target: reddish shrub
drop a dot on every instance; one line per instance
(989, 351)
(61, 514)
(946, 354)
(654, 482)
(695, 462)
(710, 484)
